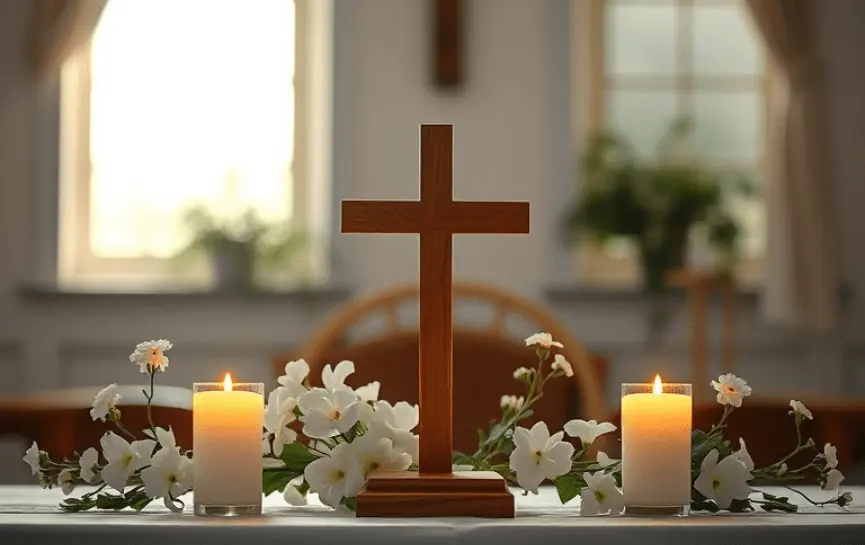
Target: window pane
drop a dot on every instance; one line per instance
(640, 39)
(725, 42)
(178, 121)
(729, 125)
(642, 117)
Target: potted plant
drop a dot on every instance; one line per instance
(237, 248)
(656, 204)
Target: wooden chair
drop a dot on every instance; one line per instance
(59, 421)
(485, 357)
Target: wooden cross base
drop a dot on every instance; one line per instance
(461, 494)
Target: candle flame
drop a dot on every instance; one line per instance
(657, 387)
(226, 384)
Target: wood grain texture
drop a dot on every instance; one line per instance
(486, 217)
(468, 494)
(381, 217)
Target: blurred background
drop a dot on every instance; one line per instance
(174, 169)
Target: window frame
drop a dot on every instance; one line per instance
(78, 265)
(590, 83)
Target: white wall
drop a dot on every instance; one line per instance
(513, 142)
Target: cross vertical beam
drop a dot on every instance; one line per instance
(435, 376)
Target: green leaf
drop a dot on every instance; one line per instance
(568, 487)
(741, 506)
(704, 505)
(275, 480)
(350, 503)
(460, 458)
(296, 457)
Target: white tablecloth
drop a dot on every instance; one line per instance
(29, 516)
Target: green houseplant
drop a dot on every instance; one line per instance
(239, 247)
(656, 204)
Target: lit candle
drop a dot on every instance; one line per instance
(656, 447)
(226, 443)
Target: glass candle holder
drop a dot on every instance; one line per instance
(656, 448)
(227, 422)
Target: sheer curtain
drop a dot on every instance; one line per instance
(801, 257)
(58, 28)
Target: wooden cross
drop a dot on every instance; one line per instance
(447, 38)
(436, 217)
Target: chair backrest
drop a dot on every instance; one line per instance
(485, 357)
(59, 420)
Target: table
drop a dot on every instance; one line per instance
(28, 516)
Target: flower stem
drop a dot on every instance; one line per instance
(809, 500)
(123, 430)
(149, 402)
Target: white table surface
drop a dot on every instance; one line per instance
(29, 516)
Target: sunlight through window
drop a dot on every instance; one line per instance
(192, 102)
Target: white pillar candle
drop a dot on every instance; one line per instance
(656, 445)
(227, 431)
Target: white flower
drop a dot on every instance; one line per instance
(369, 392)
(724, 481)
(165, 438)
(376, 453)
(88, 461)
(831, 454)
(328, 412)
(278, 414)
(169, 477)
(538, 456)
(512, 402)
(600, 495)
(292, 495)
(66, 480)
(334, 378)
(123, 458)
(559, 362)
(104, 401)
(523, 372)
(295, 373)
(544, 340)
(588, 431)
(731, 389)
(833, 480)
(800, 409)
(150, 355)
(743, 455)
(336, 476)
(396, 423)
(604, 460)
(782, 469)
(31, 457)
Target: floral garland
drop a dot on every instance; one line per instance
(350, 433)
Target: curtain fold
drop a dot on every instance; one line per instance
(801, 282)
(57, 29)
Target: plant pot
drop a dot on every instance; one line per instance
(233, 269)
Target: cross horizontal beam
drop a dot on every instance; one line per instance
(464, 217)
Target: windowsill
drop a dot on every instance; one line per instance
(588, 292)
(301, 294)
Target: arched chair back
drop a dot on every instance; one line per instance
(485, 355)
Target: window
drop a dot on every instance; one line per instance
(644, 63)
(178, 104)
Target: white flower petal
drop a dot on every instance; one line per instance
(292, 496)
(114, 447)
(589, 506)
(115, 474)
